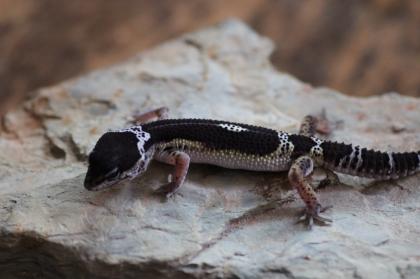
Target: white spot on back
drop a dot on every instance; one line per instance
(232, 127)
(283, 136)
(285, 145)
(317, 140)
(316, 150)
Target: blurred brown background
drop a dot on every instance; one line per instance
(360, 47)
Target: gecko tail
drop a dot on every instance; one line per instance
(358, 161)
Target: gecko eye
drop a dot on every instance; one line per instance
(114, 154)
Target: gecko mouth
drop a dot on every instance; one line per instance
(99, 184)
(94, 181)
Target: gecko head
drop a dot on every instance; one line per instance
(117, 155)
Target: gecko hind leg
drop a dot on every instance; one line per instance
(299, 173)
(156, 114)
(320, 124)
(181, 161)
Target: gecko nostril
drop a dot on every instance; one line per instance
(90, 181)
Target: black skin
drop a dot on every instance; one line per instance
(113, 154)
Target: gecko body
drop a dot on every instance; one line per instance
(126, 153)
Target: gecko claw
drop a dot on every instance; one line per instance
(311, 215)
(167, 190)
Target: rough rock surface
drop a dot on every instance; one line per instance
(223, 223)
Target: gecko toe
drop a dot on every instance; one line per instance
(167, 190)
(325, 208)
(322, 220)
(311, 216)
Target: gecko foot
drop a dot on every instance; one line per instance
(167, 190)
(156, 114)
(324, 126)
(311, 215)
(330, 179)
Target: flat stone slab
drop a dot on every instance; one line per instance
(223, 223)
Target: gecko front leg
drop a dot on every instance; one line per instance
(181, 161)
(299, 172)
